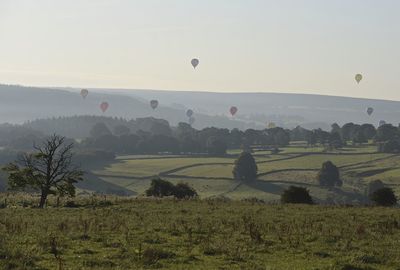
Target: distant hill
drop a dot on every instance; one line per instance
(19, 104)
(285, 109)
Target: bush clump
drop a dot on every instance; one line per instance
(183, 190)
(383, 197)
(296, 195)
(374, 186)
(162, 188)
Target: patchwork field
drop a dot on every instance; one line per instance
(293, 165)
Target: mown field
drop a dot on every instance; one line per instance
(198, 234)
(293, 165)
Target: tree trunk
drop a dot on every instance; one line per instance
(43, 198)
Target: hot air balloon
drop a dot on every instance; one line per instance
(382, 122)
(189, 113)
(154, 104)
(84, 93)
(271, 125)
(191, 120)
(104, 106)
(195, 62)
(370, 110)
(233, 110)
(358, 78)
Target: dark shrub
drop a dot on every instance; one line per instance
(374, 186)
(329, 176)
(383, 197)
(160, 188)
(245, 168)
(183, 191)
(296, 195)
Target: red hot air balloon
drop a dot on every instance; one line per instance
(84, 93)
(154, 104)
(233, 110)
(104, 106)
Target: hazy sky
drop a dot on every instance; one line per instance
(302, 46)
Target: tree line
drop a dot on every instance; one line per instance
(155, 136)
(184, 139)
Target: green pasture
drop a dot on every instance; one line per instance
(295, 165)
(315, 161)
(113, 233)
(150, 167)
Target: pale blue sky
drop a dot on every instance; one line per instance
(301, 46)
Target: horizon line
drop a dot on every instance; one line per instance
(193, 91)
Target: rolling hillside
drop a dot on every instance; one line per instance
(288, 110)
(19, 104)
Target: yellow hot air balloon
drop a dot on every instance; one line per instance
(358, 78)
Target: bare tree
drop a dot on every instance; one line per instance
(49, 169)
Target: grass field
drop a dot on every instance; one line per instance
(199, 234)
(137, 167)
(232, 225)
(295, 164)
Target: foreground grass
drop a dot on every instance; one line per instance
(198, 234)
